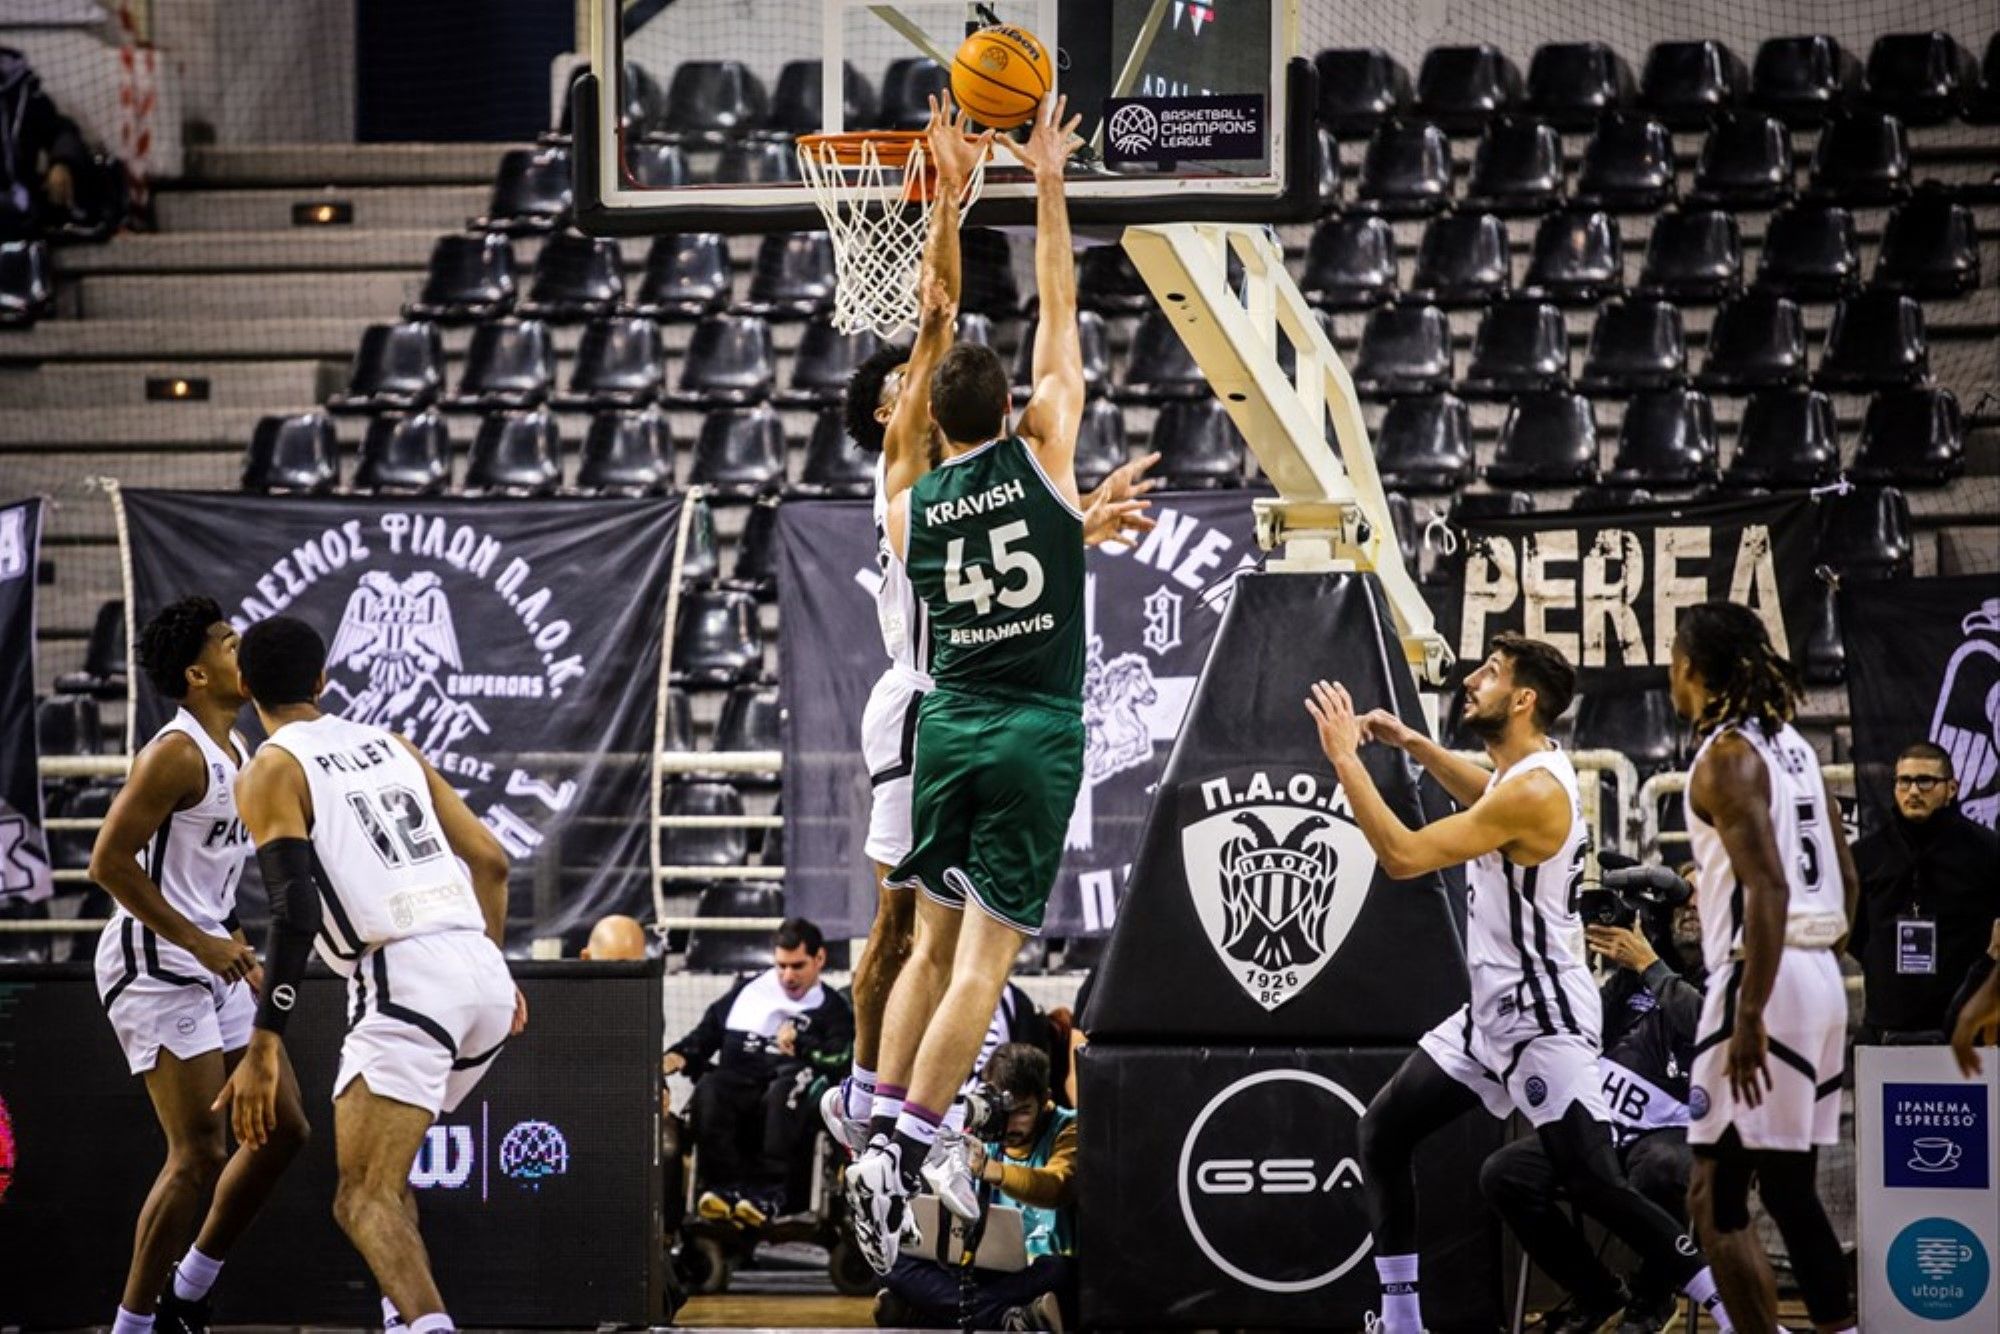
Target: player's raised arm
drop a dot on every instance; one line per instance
(1462, 779)
(1055, 403)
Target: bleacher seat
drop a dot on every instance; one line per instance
(657, 166)
(825, 357)
(1409, 540)
(1639, 724)
(1875, 340)
(1788, 438)
(756, 568)
(468, 279)
(1359, 88)
(1982, 106)
(1862, 157)
(1424, 445)
(1864, 533)
(509, 364)
(1463, 260)
(1326, 170)
(534, 192)
(1092, 336)
(740, 452)
(620, 363)
(1911, 437)
(1693, 256)
(1198, 445)
(1598, 496)
(1803, 80)
(713, 951)
(1472, 506)
(1824, 661)
(907, 87)
(986, 268)
(1406, 171)
(1811, 252)
(1577, 258)
(1571, 84)
(703, 847)
(680, 720)
(1745, 163)
(1461, 87)
(68, 725)
(1923, 77)
(1758, 340)
(627, 454)
(1637, 343)
(1158, 365)
(1521, 346)
(687, 277)
(27, 283)
(751, 720)
(296, 455)
(1548, 439)
(1350, 263)
(710, 102)
(729, 360)
(756, 162)
(1929, 249)
(1687, 83)
(1517, 168)
(701, 564)
(575, 278)
(793, 276)
(69, 850)
(1667, 439)
(1107, 283)
(405, 456)
(1405, 349)
(516, 454)
(645, 100)
(1100, 443)
(718, 641)
(1627, 166)
(398, 367)
(973, 327)
(795, 98)
(834, 466)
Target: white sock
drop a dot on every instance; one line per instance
(1701, 1291)
(390, 1318)
(435, 1323)
(127, 1323)
(881, 1106)
(954, 1117)
(859, 1102)
(1401, 1311)
(195, 1275)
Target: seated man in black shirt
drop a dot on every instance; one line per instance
(42, 155)
(754, 1057)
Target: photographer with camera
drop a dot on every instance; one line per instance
(1650, 1014)
(1024, 1150)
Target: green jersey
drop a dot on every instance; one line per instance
(996, 553)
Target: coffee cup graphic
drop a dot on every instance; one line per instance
(1935, 1153)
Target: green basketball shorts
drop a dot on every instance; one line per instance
(995, 785)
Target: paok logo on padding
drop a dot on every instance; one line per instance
(1270, 1181)
(1278, 871)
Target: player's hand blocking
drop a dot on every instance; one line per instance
(1053, 141)
(955, 151)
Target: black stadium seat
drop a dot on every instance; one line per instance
(834, 465)
(824, 359)
(1198, 445)
(1929, 249)
(510, 364)
(1745, 163)
(1598, 496)
(710, 102)
(1326, 169)
(718, 642)
(1359, 88)
(1911, 437)
(1100, 443)
(68, 725)
(740, 452)
(1521, 346)
(1548, 439)
(1638, 724)
(1405, 349)
(793, 276)
(680, 721)
(532, 193)
(986, 263)
(407, 456)
(1803, 80)
(656, 165)
(1092, 336)
(468, 278)
(1461, 87)
(702, 563)
(1627, 167)
(1693, 256)
(1406, 171)
(720, 951)
(1811, 252)
(27, 283)
(1472, 506)
(756, 568)
(1350, 263)
(1824, 662)
(756, 162)
(1686, 83)
(1667, 439)
(729, 360)
(104, 656)
(1788, 438)
(1864, 533)
(627, 454)
(516, 454)
(1923, 77)
(620, 363)
(1158, 366)
(1424, 445)
(297, 455)
(575, 278)
(907, 86)
(1982, 107)
(1517, 168)
(1463, 260)
(751, 720)
(1862, 157)
(703, 847)
(1875, 341)
(1571, 84)
(795, 98)
(1758, 341)
(1107, 283)
(1577, 258)
(687, 277)
(1637, 343)
(397, 367)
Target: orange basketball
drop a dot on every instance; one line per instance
(1000, 75)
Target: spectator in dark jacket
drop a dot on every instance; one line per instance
(754, 1058)
(1930, 894)
(42, 156)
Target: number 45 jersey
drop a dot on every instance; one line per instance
(385, 871)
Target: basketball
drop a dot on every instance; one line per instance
(1000, 75)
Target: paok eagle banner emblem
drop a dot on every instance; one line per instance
(1278, 872)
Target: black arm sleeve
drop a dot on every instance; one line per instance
(287, 864)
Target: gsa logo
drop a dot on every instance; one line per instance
(1938, 1269)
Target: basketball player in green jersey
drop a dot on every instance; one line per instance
(993, 539)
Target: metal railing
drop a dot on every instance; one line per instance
(1652, 838)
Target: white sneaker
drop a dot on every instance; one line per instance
(1375, 1324)
(883, 1223)
(847, 1132)
(947, 1171)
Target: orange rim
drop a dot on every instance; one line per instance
(892, 147)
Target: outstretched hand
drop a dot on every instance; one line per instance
(955, 150)
(1052, 142)
(1332, 709)
(1116, 521)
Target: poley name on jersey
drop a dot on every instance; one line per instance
(984, 502)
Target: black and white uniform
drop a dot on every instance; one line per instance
(1806, 1016)
(430, 1000)
(889, 722)
(1528, 1039)
(153, 990)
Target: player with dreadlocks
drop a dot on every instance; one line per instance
(1775, 885)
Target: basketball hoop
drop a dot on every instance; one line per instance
(874, 188)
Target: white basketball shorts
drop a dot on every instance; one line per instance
(426, 1015)
(157, 997)
(1805, 1022)
(889, 747)
(1515, 1062)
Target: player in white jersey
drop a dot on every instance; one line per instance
(1776, 887)
(1528, 1039)
(177, 976)
(370, 855)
